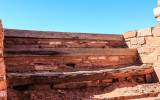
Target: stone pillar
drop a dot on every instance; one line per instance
(3, 82)
(157, 12)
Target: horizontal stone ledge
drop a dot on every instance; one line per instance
(128, 93)
(11, 42)
(16, 79)
(66, 52)
(59, 35)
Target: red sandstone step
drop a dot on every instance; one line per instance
(126, 93)
(69, 63)
(12, 42)
(43, 39)
(59, 35)
(16, 52)
(67, 59)
(16, 79)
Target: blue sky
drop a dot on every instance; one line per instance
(88, 16)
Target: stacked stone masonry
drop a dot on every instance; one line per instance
(147, 42)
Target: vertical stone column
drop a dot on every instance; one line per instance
(3, 82)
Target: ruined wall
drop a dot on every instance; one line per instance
(147, 42)
(3, 82)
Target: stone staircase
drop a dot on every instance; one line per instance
(74, 66)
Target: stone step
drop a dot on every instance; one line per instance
(12, 42)
(126, 93)
(59, 35)
(77, 78)
(42, 39)
(67, 59)
(18, 52)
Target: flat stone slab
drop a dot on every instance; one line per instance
(13, 52)
(16, 79)
(59, 35)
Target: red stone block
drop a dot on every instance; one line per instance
(2, 68)
(3, 85)
(130, 34)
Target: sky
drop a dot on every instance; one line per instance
(87, 16)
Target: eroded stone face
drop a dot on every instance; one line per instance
(3, 82)
(130, 34)
(77, 90)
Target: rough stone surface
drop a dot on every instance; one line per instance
(149, 78)
(130, 34)
(140, 91)
(14, 79)
(40, 87)
(146, 50)
(141, 40)
(62, 63)
(133, 41)
(11, 42)
(3, 95)
(59, 35)
(144, 32)
(3, 85)
(153, 41)
(2, 69)
(156, 31)
(77, 84)
(148, 59)
(157, 71)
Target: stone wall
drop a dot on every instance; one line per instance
(3, 85)
(147, 42)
